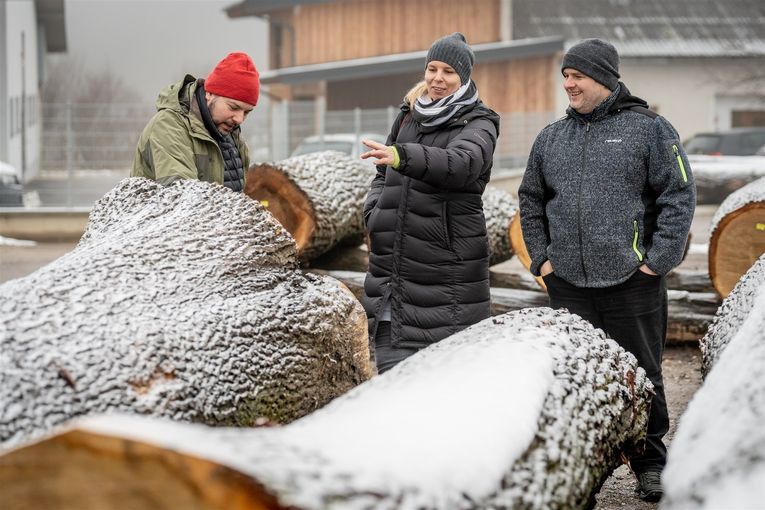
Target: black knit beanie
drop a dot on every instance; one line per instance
(597, 59)
(453, 50)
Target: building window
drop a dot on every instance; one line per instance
(747, 118)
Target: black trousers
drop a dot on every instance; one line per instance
(387, 356)
(633, 313)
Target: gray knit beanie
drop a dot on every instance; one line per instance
(453, 50)
(597, 59)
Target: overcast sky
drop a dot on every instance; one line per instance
(152, 43)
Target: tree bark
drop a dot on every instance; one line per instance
(732, 313)
(592, 406)
(181, 301)
(717, 457)
(318, 197)
(499, 208)
(737, 236)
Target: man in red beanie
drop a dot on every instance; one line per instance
(195, 133)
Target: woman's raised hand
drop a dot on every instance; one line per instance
(383, 154)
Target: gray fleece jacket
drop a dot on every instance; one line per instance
(603, 194)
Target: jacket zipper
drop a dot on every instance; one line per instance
(635, 241)
(579, 208)
(680, 162)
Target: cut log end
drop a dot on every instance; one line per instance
(519, 246)
(284, 200)
(735, 244)
(82, 470)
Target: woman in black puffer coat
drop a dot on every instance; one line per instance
(429, 257)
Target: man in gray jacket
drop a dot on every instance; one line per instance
(606, 204)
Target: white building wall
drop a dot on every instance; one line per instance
(20, 18)
(694, 94)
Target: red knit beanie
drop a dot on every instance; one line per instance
(236, 77)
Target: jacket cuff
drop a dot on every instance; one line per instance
(396, 158)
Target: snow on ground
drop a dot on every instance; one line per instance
(8, 241)
(717, 458)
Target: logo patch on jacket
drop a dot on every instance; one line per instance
(614, 140)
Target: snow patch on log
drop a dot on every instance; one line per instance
(499, 209)
(752, 192)
(731, 314)
(717, 458)
(525, 410)
(180, 301)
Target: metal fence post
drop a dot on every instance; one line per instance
(321, 112)
(69, 153)
(357, 122)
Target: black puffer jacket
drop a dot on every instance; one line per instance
(429, 252)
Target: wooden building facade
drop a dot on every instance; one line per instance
(368, 53)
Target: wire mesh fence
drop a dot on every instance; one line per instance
(103, 136)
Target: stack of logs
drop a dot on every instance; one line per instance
(549, 401)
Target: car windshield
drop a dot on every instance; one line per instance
(308, 147)
(703, 144)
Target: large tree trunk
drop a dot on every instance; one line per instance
(318, 197)
(735, 309)
(499, 207)
(526, 410)
(717, 457)
(737, 236)
(182, 302)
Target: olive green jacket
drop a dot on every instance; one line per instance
(175, 143)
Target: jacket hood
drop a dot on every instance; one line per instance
(626, 100)
(178, 95)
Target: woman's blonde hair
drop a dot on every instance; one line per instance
(415, 93)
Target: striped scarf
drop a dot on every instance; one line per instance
(434, 113)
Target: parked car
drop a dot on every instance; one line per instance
(734, 142)
(348, 143)
(11, 190)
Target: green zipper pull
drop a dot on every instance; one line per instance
(635, 241)
(680, 162)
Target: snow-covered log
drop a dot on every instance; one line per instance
(180, 301)
(716, 177)
(318, 197)
(526, 410)
(499, 208)
(737, 235)
(717, 458)
(734, 310)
